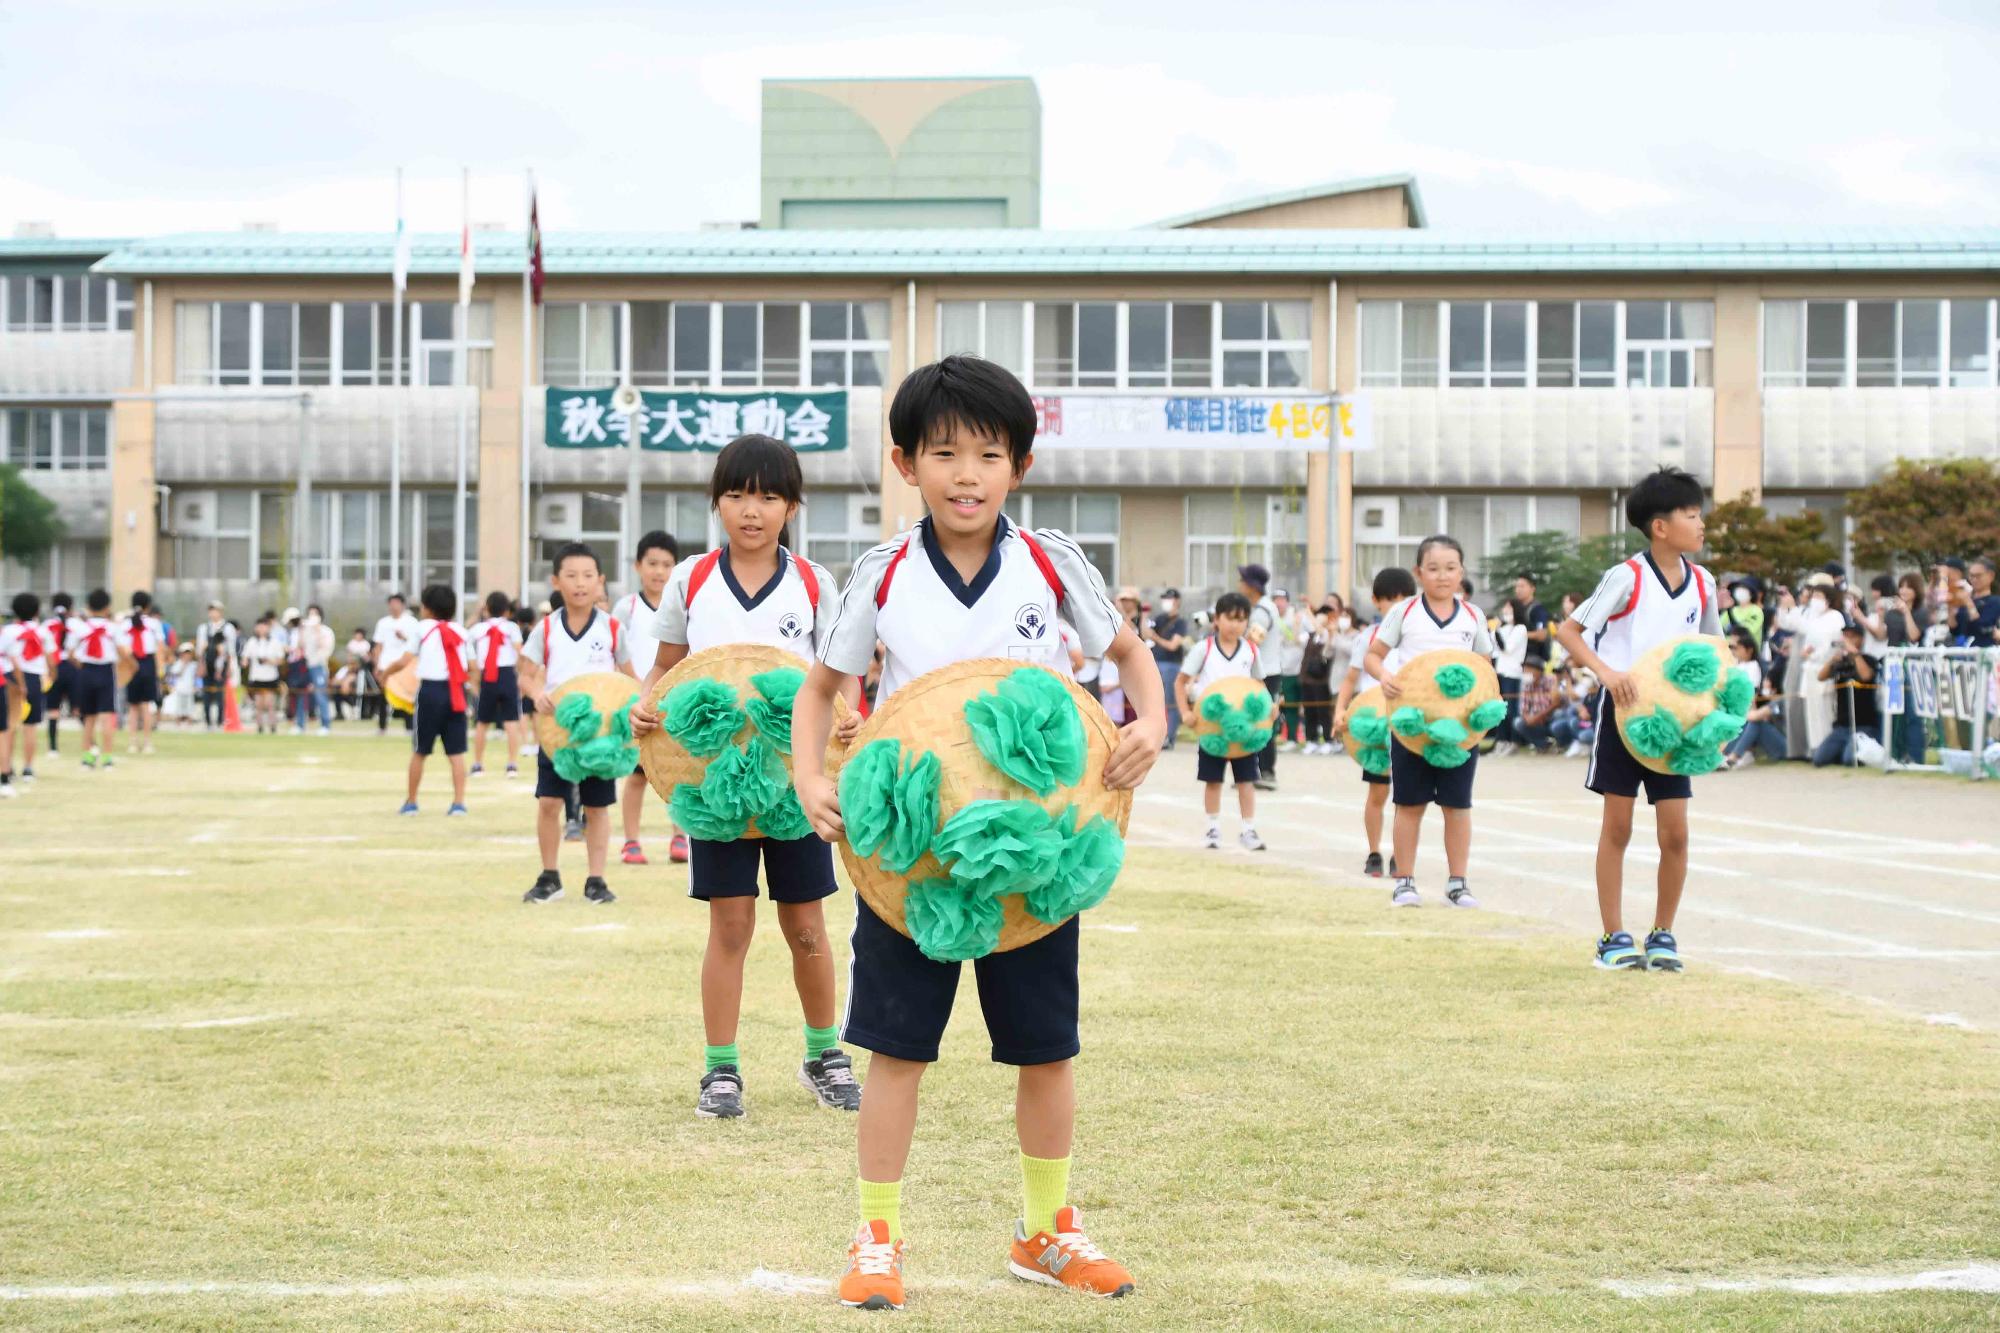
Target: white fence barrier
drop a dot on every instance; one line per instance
(1941, 710)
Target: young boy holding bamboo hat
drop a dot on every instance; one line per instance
(968, 584)
(1225, 652)
(653, 566)
(1391, 586)
(1657, 595)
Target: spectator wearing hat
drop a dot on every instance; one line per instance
(1254, 582)
(1851, 674)
(1166, 633)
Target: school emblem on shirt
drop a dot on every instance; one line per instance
(1030, 621)
(791, 626)
(1692, 613)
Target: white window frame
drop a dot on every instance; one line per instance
(1404, 545)
(1851, 370)
(1622, 347)
(1255, 547)
(1020, 508)
(860, 529)
(69, 438)
(117, 305)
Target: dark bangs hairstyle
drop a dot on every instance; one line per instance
(1660, 494)
(966, 391)
(758, 465)
(1394, 584)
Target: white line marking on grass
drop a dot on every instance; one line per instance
(1926, 955)
(240, 1021)
(760, 1280)
(1981, 1278)
(87, 933)
(1949, 1021)
(787, 1284)
(604, 925)
(1115, 930)
(157, 872)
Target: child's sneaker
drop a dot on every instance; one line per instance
(632, 855)
(1405, 893)
(573, 831)
(548, 886)
(1662, 953)
(1250, 841)
(1372, 867)
(677, 850)
(476, 771)
(874, 1276)
(597, 891)
(1212, 840)
(456, 809)
(28, 774)
(1617, 952)
(7, 792)
(1067, 1259)
(513, 772)
(721, 1094)
(1456, 892)
(89, 761)
(830, 1079)
(409, 808)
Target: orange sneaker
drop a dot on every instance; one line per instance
(874, 1276)
(677, 850)
(1067, 1259)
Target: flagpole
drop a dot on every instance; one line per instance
(464, 376)
(399, 275)
(530, 371)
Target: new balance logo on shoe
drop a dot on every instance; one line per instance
(1055, 1259)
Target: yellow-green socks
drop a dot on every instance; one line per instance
(1044, 1186)
(715, 1056)
(883, 1199)
(820, 1040)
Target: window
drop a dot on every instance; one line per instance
(719, 344)
(1669, 344)
(1481, 523)
(64, 303)
(1229, 529)
(1266, 344)
(1136, 344)
(1911, 343)
(1087, 518)
(995, 330)
(684, 514)
(849, 342)
(839, 530)
(43, 439)
(1566, 344)
(580, 343)
(313, 343)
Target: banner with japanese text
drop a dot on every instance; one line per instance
(1185, 421)
(691, 420)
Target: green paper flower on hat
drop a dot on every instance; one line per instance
(1214, 707)
(1029, 728)
(1214, 743)
(691, 811)
(1455, 680)
(784, 819)
(1692, 668)
(998, 847)
(744, 781)
(889, 807)
(1736, 694)
(1694, 760)
(771, 709)
(1446, 731)
(1445, 756)
(1373, 758)
(1654, 735)
(950, 925)
(1488, 715)
(1368, 727)
(701, 714)
(1408, 721)
(1717, 729)
(1084, 871)
(594, 750)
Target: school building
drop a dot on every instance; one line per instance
(1314, 380)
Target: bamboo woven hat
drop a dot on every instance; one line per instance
(667, 762)
(609, 691)
(1366, 729)
(928, 714)
(399, 687)
(1238, 691)
(1440, 700)
(1681, 683)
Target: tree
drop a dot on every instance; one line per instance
(29, 524)
(1922, 511)
(1744, 539)
(1561, 564)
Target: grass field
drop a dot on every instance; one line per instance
(443, 1109)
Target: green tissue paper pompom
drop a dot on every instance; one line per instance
(1718, 728)
(743, 782)
(1368, 727)
(1695, 760)
(1029, 728)
(1736, 694)
(1255, 706)
(948, 924)
(702, 715)
(771, 709)
(998, 847)
(1215, 743)
(1373, 758)
(1240, 730)
(1090, 860)
(1455, 680)
(1692, 668)
(1445, 731)
(1488, 715)
(1655, 734)
(1214, 707)
(784, 819)
(1445, 756)
(890, 807)
(691, 811)
(589, 754)
(1407, 721)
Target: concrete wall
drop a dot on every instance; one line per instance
(1384, 208)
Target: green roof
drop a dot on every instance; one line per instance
(923, 253)
(59, 247)
(1358, 185)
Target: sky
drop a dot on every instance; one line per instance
(139, 118)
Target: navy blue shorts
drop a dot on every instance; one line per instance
(96, 689)
(1208, 767)
(437, 719)
(592, 793)
(797, 870)
(898, 1001)
(1614, 772)
(1415, 781)
(6, 707)
(63, 686)
(144, 687)
(31, 690)
(500, 699)
(1379, 779)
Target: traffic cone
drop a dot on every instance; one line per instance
(231, 719)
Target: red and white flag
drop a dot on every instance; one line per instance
(465, 242)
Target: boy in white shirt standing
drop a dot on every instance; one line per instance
(496, 641)
(143, 639)
(1226, 652)
(652, 565)
(574, 639)
(443, 658)
(27, 649)
(96, 654)
(395, 638)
